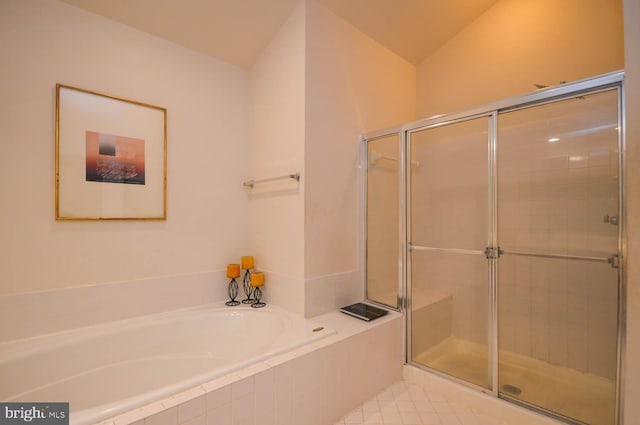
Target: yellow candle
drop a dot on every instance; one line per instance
(247, 262)
(233, 270)
(257, 279)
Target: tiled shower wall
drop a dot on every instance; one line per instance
(559, 312)
(449, 210)
(553, 197)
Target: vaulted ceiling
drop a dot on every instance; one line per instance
(235, 31)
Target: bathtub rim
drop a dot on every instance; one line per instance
(346, 327)
(38, 342)
(42, 343)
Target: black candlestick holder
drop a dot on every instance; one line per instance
(233, 292)
(247, 288)
(258, 294)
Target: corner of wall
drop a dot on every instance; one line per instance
(276, 148)
(328, 293)
(353, 85)
(632, 88)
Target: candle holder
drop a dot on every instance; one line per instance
(258, 294)
(257, 280)
(247, 288)
(233, 271)
(233, 292)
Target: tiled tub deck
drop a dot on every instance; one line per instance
(312, 385)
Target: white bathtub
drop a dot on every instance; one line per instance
(108, 369)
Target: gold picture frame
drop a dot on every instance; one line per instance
(111, 157)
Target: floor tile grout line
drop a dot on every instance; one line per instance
(401, 391)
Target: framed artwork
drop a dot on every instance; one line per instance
(111, 157)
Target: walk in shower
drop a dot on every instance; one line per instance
(499, 232)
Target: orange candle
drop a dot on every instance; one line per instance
(257, 279)
(233, 270)
(247, 262)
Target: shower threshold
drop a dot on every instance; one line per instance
(582, 396)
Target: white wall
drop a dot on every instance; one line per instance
(44, 42)
(353, 85)
(310, 101)
(276, 147)
(632, 81)
(519, 43)
(305, 103)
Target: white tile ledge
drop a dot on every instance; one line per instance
(346, 325)
(56, 310)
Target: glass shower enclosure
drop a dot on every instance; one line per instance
(499, 232)
(384, 247)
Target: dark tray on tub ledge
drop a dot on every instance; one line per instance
(364, 311)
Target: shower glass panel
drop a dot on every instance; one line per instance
(383, 228)
(558, 221)
(449, 231)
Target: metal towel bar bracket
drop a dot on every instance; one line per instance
(250, 183)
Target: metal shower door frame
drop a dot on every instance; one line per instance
(614, 80)
(490, 242)
(608, 82)
(402, 170)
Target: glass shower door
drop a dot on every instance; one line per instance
(383, 245)
(449, 231)
(558, 221)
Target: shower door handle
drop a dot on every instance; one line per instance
(447, 250)
(492, 253)
(614, 260)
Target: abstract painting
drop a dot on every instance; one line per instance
(111, 157)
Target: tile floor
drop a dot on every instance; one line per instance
(405, 403)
